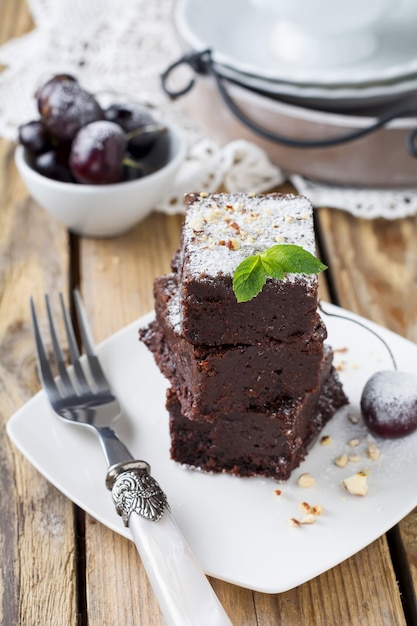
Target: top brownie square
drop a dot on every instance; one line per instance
(220, 231)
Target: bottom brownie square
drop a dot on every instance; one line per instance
(253, 443)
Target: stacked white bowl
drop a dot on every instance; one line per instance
(310, 70)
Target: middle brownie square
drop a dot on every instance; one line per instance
(208, 380)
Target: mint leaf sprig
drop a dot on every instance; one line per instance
(251, 274)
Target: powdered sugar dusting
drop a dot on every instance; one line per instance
(174, 311)
(75, 101)
(66, 107)
(95, 135)
(221, 230)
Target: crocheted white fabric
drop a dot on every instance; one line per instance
(364, 203)
(123, 48)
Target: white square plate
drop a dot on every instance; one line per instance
(239, 528)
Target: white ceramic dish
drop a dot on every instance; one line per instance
(378, 160)
(335, 98)
(104, 210)
(238, 34)
(238, 528)
(339, 99)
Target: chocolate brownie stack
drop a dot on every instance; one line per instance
(252, 383)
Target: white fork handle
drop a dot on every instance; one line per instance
(184, 593)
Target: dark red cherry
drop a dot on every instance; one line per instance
(34, 137)
(132, 116)
(54, 164)
(389, 403)
(97, 153)
(65, 107)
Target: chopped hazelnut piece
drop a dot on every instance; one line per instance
(233, 244)
(305, 480)
(342, 460)
(317, 509)
(326, 440)
(353, 419)
(343, 349)
(196, 222)
(353, 443)
(356, 485)
(311, 512)
(353, 458)
(373, 452)
(305, 507)
(278, 492)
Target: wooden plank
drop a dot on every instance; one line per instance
(348, 594)
(374, 266)
(406, 546)
(37, 583)
(36, 526)
(15, 19)
(123, 268)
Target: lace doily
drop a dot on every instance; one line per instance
(124, 48)
(364, 203)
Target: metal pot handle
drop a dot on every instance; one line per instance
(202, 63)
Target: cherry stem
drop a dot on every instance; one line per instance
(139, 165)
(150, 128)
(350, 319)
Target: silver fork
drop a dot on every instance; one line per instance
(84, 398)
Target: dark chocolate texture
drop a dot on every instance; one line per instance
(253, 443)
(220, 230)
(210, 379)
(252, 383)
(211, 314)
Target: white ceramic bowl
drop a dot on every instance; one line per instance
(379, 159)
(103, 210)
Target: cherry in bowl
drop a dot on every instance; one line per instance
(105, 210)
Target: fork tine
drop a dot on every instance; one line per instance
(80, 377)
(85, 329)
(68, 387)
(97, 372)
(44, 368)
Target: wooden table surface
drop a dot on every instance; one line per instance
(58, 565)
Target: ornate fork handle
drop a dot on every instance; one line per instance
(135, 490)
(183, 591)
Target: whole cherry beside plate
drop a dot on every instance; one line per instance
(389, 403)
